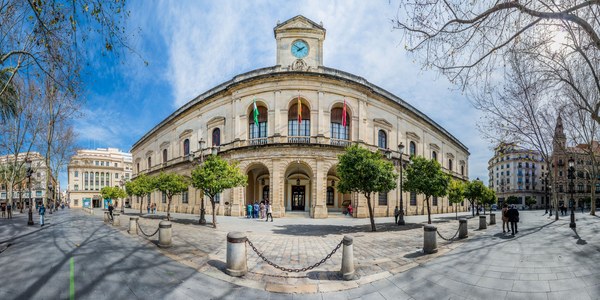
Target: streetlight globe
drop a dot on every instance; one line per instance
(401, 149)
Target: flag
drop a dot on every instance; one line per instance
(255, 113)
(299, 110)
(344, 114)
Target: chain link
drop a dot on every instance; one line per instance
(450, 239)
(142, 231)
(294, 270)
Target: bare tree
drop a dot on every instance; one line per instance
(468, 42)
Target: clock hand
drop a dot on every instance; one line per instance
(300, 49)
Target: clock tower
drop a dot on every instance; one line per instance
(299, 44)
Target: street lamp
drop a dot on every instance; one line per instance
(29, 173)
(122, 183)
(51, 190)
(572, 190)
(401, 206)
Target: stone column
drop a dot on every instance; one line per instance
(277, 192)
(482, 222)
(348, 259)
(463, 231)
(237, 264)
(320, 182)
(164, 234)
(492, 219)
(429, 239)
(116, 219)
(133, 225)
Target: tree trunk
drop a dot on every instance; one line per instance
(169, 208)
(472, 208)
(593, 202)
(456, 211)
(141, 204)
(214, 215)
(371, 217)
(428, 210)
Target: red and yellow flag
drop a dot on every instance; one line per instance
(344, 114)
(299, 110)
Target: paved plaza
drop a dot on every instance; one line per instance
(545, 260)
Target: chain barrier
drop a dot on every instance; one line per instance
(294, 270)
(142, 231)
(450, 239)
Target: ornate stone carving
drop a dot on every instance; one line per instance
(299, 65)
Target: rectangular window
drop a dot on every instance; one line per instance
(38, 193)
(383, 199)
(413, 198)
(116, 165)
(164, 197)
(76, 174)
(76, 202)
(339, 132)
(184, 197)
(259, 131)
(218, 198)
(295, 130)
(434, 201)
(116, 175)
(76, 187)
(449, 203)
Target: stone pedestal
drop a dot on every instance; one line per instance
(106, 217)
(463, 232)
(348, 259)
(492, 219)
(237, 264)
(116, 219)
(482, 222)
(429, 239)
(133, 225)
(164, 234)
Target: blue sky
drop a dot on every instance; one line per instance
(191, 46)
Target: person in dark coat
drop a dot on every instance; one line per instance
(513, 219)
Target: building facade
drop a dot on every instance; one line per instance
(40, 192)
(286, 126)
(515, 171)
(585, 158)
(91, 170)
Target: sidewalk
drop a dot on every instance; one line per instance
(300, 242)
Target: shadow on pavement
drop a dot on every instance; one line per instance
(325, 275)
(580, 241)
(321, 230)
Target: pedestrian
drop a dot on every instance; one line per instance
(269, 209)
(249, 210)
(350, 210)
(110, 210)
(3, 210)
(42, 212)
(148, 207)
(581, 206)
(513, 218)
(504, 218)
(9, 210)
(153, 208)
(262, 209)
(255, 209)
(396, 214)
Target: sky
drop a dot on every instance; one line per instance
(192, 46)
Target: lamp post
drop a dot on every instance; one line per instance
(29, 173)
(401, 206)
(202, 208)
(51, 194)
(121, 184)
(572, 190)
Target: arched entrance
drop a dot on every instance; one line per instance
(336, 202)
(298, 187)
(258, 188)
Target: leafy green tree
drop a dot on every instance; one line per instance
(474, 192)
(113, 193)
(141, 186)
(425, 176)
(171, 184)
(366, 172)
(216, 175)
(513, 200)
(529, 201)
(489, 198)
(456, 193)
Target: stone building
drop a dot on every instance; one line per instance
(586, 181)
(519, 172)
(306, 114)
(89, 171)
(40, 193)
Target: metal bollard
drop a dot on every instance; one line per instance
(348, 259)
(237, 262)
(492, 219)
(106, 217)
(430, 239)
(482, 224)
(116, 219)
(164, 234)
(133, 225)
(463, 231)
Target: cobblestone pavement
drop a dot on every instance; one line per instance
(297, 241)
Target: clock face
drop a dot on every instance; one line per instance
(300, 49)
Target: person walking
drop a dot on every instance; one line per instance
(255, 209)
(249, 211)
(513, 218)
(110, 210)
(504, 218)
(262, 209)
(3, 210)
(9, 211)
(269, 209)
(148, 207)
(396, 214)
(42, 212)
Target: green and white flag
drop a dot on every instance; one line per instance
(255, 113)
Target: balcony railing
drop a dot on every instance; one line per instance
(341, 143)
(259, 141)
(299, 139)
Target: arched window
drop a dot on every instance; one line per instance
(265, 195)
(450, 164)
(434, 155)
(186, 147)
(296, 128)
(412, 149)
(413, 198)
(462, 170)
(382, 139)
(149, 163)
(338, 130)
(259, 131)
(165, 152)
(383, 198)
(434, 201)
(216, 137)
(330, 195)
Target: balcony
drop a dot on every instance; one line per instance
(340, 143)
(259, 141)
(299, 140)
